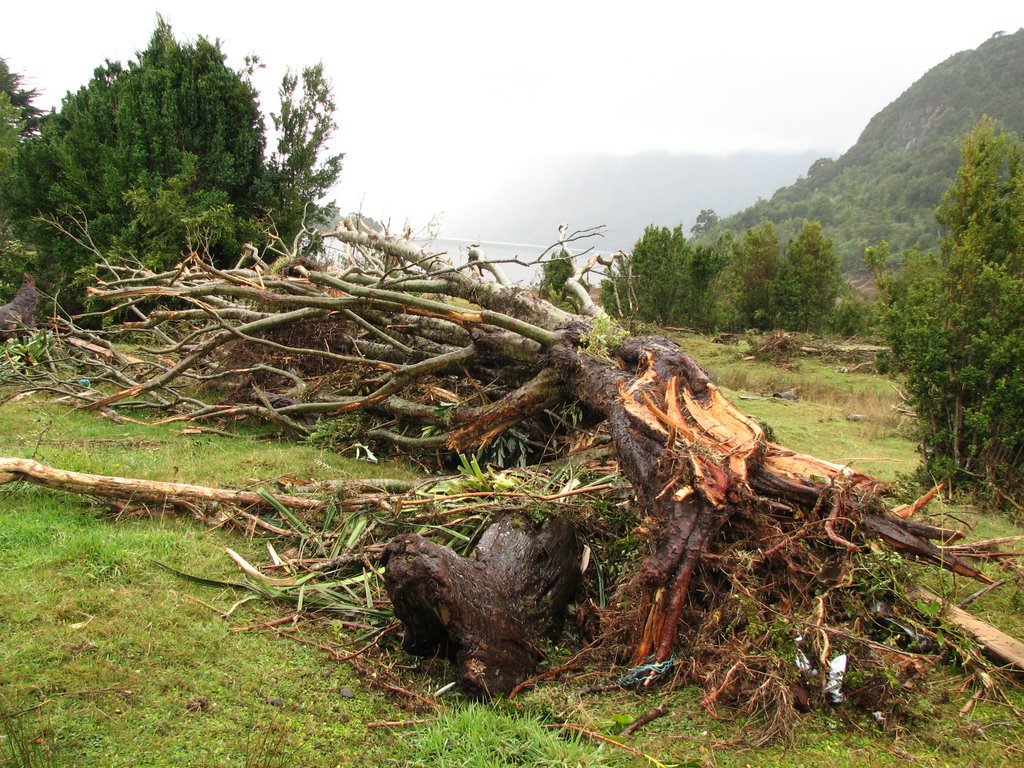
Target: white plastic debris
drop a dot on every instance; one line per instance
(834, 684)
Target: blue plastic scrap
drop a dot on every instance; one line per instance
(645, 674)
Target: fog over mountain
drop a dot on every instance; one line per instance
(623, 193)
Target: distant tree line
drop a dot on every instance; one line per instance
(754, 282)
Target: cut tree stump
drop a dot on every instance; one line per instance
(488, 614)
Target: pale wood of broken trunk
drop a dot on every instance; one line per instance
(142, 491)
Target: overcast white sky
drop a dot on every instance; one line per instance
(438, 100)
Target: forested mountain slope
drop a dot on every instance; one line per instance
(887, 185)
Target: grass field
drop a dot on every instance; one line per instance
(109, 660)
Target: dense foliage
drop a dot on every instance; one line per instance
(166, 156)
(167, 150)
(19, 118)
(673, 281)
(808, 282)
(956, 321)
(888, 184)
(753, 282)
(298, 172)
(757, 265)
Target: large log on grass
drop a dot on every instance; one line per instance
(488, 614)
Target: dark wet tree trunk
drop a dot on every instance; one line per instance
(489, 614)
(20, 313)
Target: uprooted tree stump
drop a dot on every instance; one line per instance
(698, 465)
(491, 613)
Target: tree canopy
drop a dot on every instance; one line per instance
(758, 253)
(19, 118)
(808, 281)
(166, 155)
(299, 173)
(956, 320)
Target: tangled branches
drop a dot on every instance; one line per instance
(747, 553)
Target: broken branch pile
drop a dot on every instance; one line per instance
(744, 555)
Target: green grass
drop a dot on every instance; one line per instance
(85, 442)
(476, 736)
(121, 663)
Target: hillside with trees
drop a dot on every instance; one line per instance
(887, 186)
(956, 320)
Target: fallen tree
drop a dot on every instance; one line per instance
(392, 345)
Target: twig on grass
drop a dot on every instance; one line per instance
(570, 667)
(644, 719)
(429, 702)
(592, 734)
(401, 723)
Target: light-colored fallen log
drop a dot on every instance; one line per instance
(141, 491)
(1000, 645)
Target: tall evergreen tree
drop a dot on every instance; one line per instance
(18, 119)
(956, 322)
(658, 273)
(29, 116)
(704, 303)
(808, 281)
(299, 172)
(157, 156)
(758, 253)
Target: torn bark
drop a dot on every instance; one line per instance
(695, 462)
